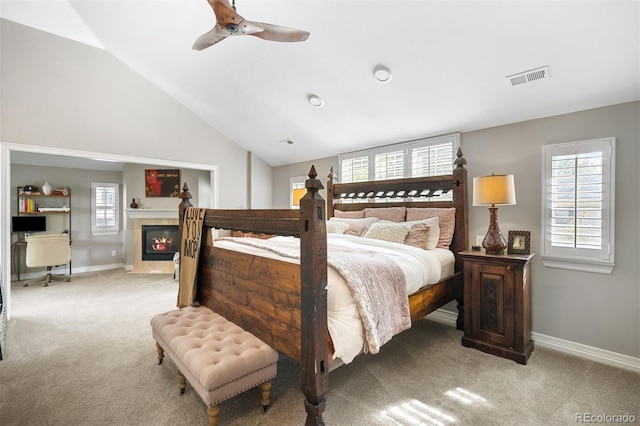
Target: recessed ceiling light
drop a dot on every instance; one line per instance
(382, 74)
(315, 100)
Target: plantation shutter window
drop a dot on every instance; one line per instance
(105, 205)
(578, 213)
(389, 165)
(355, 169)
(423, 157)
(431, 160)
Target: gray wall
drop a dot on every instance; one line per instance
(260, 180)
(60, 93)
(283, 174)
(134, 179)
(601, 311)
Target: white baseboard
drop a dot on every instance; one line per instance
(572, 348)
(65, 270)
(588, 352)
(444, 317)
(97, 268)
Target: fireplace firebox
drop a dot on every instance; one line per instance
(159, 242)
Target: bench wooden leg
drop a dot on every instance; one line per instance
(160, 353)
(266, 395)
(213, 413)
(182, 382)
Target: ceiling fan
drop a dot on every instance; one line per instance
(229, 23)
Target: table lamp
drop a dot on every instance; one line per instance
(491, 191)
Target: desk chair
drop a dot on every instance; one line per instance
(48, 250)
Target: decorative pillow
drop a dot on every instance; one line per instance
(447, 217)
(357, 230)
(387, 231)
(348, 215)
(336, 227)
(433, 234)
(418, 235)
(394, 214)
(364, 221)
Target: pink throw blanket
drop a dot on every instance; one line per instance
(376, 282)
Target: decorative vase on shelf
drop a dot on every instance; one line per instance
(133, 204)
(46, 188)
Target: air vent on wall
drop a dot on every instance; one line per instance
(527, 76)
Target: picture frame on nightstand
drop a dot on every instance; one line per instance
(519, 242)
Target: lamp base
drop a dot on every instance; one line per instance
(494, 242)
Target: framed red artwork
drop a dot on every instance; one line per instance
(162, 183)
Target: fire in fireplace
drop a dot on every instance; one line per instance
(159, 242)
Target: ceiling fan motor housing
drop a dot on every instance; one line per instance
(233, 28)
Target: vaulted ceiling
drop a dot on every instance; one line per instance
(448, 63)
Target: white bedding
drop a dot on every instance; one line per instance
(421, 268)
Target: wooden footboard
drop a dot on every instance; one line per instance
(259, 294)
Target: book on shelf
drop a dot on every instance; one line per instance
(28, 205)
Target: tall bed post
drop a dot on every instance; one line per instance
(314, 367)
(185, 202)
(330, 180)
(460, 203)
(461, 234)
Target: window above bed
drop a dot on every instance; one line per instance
(423, 157)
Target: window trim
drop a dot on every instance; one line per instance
(577, 259)
(105, 230)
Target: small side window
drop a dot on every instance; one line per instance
(105, 208)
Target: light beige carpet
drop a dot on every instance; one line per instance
(81, 353)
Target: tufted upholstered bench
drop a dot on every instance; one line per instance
(217, 357)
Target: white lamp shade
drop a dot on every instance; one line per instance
(494, 190)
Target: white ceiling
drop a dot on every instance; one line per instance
(449, 61)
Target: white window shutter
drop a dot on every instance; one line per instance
(578, 205)
(106, 208)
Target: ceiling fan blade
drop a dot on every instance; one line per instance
(225, 14)
(279, 33)
(209, 39)
(229, 23)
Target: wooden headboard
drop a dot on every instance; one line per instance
(409, 192)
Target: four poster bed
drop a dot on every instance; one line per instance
(283, 301)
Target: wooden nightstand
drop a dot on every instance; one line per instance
(497, 304)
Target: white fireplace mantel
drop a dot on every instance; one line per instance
(152, 213)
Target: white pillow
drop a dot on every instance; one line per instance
(388, 231)
(336, 227)
(363, 221)
(434, 230)
(396, 232)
